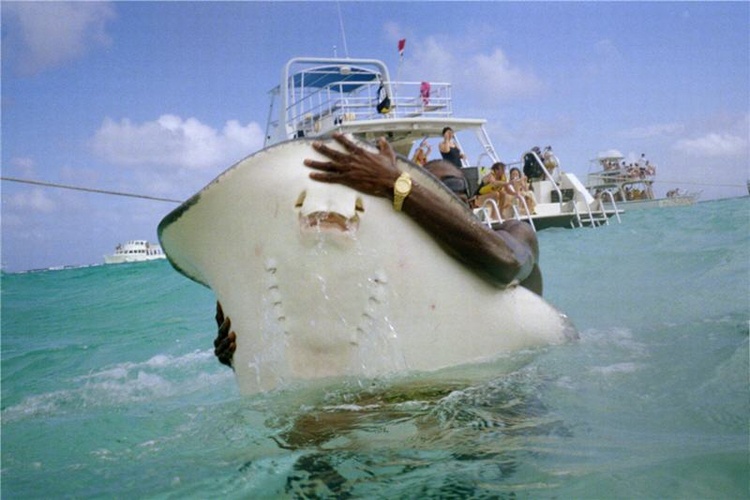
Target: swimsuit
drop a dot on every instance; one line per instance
(453, 156)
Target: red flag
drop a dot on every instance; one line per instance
(401, 46)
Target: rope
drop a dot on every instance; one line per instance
(88, 190)
(660, 181)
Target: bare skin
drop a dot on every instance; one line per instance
(447, 143)
(501, 256)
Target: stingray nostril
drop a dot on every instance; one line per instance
(359, 205)
(300, 199)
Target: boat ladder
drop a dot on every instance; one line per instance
(489, 213)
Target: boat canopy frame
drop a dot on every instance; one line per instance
(319, 95)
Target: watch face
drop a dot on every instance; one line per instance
(402, 185)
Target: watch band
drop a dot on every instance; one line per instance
(401, 189)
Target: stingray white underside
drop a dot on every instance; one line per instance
(310, 300)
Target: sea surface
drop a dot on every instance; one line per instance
(110, 388)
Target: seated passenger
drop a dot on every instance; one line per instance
(495, 180)
(520, 188)
(493, 187)
(421, 155)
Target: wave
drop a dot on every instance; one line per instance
(158, 378)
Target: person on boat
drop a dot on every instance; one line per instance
(493, 187)
(495, 180)
(449, 150)
(422, 154)
(504, 256)
(531, 168)
(551, 163)
(521, 189)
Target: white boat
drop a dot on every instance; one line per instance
(135, 251)
(320, 96)
(369, 295)
(630, 185)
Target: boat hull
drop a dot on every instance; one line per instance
(315, 302)
(122, 259)
(674, 201)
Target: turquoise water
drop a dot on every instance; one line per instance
(110, 388)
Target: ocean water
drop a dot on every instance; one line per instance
(110, 388)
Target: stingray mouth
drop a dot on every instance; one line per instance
(329, 221)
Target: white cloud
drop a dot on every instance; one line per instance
(171, 141)
(532, 132)
(655, 130)
(714, 145)
(48, 34)
(23, 166)
(497, 78)
(34, 200)
(605, 58)
(489, 75)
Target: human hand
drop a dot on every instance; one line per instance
(359, 169)
(226, 340)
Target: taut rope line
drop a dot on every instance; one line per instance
(88, 190)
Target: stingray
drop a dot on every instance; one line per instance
(322, 281)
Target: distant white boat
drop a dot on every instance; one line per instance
(135, 251)
(631, 184)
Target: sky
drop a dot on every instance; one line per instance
(158, 98)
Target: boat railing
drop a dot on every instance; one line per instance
(488, 208)
(491, 214)
(315, 110)
(610, 177)
(556, 188)
(614, 205)
(591, 217)
(518, 215)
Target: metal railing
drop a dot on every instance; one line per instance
(490, 205)
(314, 110)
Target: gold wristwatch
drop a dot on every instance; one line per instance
(401, 189)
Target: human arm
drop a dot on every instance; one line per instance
(444, 146)
(500, 257)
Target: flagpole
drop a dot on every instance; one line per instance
(401, 47)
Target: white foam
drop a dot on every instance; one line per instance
(159, 377)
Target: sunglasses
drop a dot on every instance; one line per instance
(456, 184)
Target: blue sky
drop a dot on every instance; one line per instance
(159, 98)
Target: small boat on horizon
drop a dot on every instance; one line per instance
(630, 184)
(135, 251)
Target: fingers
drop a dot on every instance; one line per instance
(224, 327)
(225, 348)
(351, 147)
(332, 153)
(385, 149)
(348, 144)
(219, 313)
(330, 178)
(327, 166)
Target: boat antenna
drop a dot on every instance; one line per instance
(343, 33)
